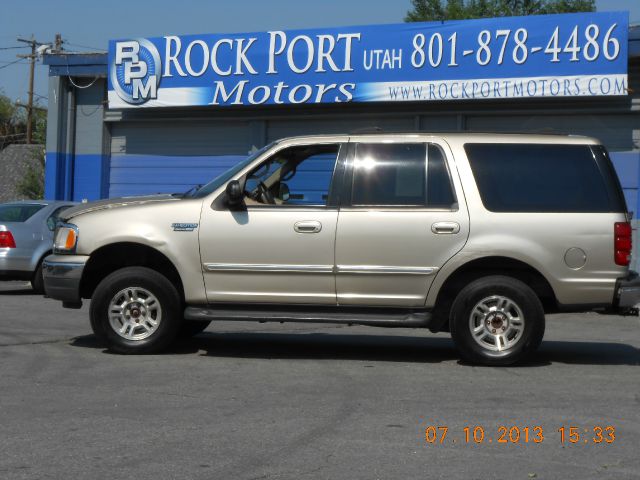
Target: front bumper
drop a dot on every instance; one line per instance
(628, 294)
(62, 275)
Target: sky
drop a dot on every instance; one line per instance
(89, 25)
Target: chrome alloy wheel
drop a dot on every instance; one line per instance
(496, 323)
(134, 313)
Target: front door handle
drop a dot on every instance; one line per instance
(445, 228)
(307, 226)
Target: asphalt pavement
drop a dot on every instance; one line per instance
(301, 401)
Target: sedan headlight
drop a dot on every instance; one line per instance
(66, 238)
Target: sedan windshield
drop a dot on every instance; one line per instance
(228, 175)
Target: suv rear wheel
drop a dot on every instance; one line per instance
(136, 310)
(496, 320)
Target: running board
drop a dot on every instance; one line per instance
(377, 317)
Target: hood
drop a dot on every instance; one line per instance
(115, 203)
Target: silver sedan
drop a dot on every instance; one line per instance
(26, 237)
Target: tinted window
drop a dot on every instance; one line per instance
(542, 178)
(394, 174)
(389, 174)
(439, 189)
(18, 213)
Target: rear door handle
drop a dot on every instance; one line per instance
(307, 226)
(445, 228)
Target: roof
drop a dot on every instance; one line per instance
(90, 64)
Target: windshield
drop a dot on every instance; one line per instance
(19, 213)
(226, 176)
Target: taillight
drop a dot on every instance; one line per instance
(622, 243)
(6, 240)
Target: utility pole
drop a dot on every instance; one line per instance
(58, 43)
(32, 58)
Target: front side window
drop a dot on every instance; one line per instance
(401, 174)
(299, 175)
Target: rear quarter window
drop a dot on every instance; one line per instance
(18, 213)
(544, 178)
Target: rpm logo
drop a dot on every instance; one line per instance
(136, 71)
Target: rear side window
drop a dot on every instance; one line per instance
(18, 213)
(543, 178)
(401, 174)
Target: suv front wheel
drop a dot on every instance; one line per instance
(496, 320)
(136, 310)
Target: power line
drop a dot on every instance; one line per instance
(84, 46)
(20, 60)
(13, 48)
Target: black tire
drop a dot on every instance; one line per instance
(505, 350)
(37, 281)
(191, 328)
(145, 280)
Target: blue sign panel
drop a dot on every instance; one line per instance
(570, 55)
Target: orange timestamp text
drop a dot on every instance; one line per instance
(516, 434)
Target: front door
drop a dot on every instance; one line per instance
(280, 247)
(403, 218)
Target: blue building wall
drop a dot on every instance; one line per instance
(76, 165)
(131, 174)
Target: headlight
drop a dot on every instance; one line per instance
(66, 238)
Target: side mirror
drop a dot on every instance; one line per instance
(235, 195)
(51, 223)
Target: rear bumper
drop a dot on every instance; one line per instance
(627, 298)
(62, 275)
(13, 267)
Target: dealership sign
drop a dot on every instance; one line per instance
(570, 55)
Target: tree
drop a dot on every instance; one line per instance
(8, 129)
(13, 123)
(32, 184)
(433, 10)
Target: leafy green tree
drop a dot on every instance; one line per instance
(433, 10)
(13, 123)
(7, 119)
(32, 184)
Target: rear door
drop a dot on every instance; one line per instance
(402, 217)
